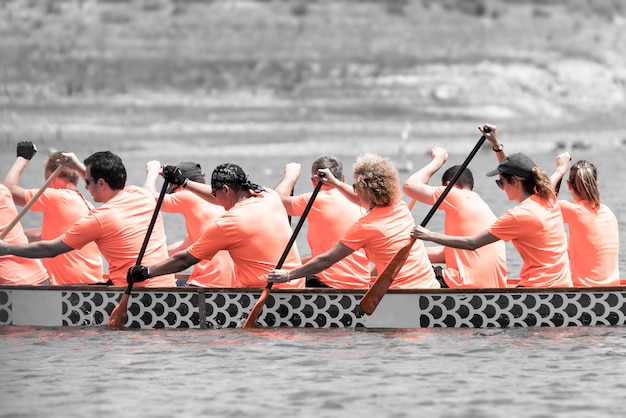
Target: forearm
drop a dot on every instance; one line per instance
(286, 185)
(348, 192)
(12, 180)
(201, 189)
(176, 263)
(40, 249)
(321, 262)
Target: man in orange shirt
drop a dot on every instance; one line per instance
(330, 217)
(16, 270)
(62, 205)
(198, 213)
(254, 229)
(381, 233)
(466, 214)
(118, 226)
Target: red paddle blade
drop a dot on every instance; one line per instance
(374, 295)
(118, 316)
(256, 310)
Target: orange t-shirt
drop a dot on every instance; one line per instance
(329, 218)
(382, 233)
(538, 234)
(593, 245)
(119, 228)
(13, 269)
(255, 232)
(467, 214)
(218, 271)
(61, 208)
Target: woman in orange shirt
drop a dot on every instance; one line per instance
(535, 226)
(593, 244)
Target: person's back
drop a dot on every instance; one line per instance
(61, 207)
(16, 270)
(382, 233)
(120, 225)
(254, 229)
(199, 213)
(329, 218)
(119, 228)
(593, 245)
(466, 214)
(218, 271)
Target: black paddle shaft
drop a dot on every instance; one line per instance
(456, 176)
(146, 240)
(294, 235)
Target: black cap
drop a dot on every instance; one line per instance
(192, 171)
(516, 165)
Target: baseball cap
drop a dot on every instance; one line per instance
(191, 170)
(516, 165)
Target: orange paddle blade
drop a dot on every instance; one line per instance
(374, 295)
(256, 310)
(118, 316)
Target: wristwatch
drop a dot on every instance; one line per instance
(498, 148)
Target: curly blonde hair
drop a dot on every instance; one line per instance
(378, 179)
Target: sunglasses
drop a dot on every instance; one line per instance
(500, 183)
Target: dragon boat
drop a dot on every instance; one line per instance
(215, 308)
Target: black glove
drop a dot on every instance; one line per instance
(173, 175)
(137, 274)
(26, 149)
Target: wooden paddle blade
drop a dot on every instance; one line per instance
(374, 295)
(118, 316)
(256, 310)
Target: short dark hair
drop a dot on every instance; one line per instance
(465, 180)
(330, 162)
(109, 167)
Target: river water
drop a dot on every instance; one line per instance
(530, 372)
(534, 372)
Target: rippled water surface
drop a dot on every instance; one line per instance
(534, 372)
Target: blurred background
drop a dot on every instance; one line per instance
(262, 83)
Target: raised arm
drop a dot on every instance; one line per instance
(153, 170)
(562, 165)
(492, 138)
(416, 186)
(287, 184)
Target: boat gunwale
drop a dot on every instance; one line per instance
(322, 291)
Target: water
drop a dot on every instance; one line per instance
(533, 372)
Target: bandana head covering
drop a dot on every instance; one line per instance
(231, 175)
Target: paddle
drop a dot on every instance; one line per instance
(256, 309)
(373, 296)
(119, 315)
(33, 199)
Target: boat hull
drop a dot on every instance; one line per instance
(200, 308)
